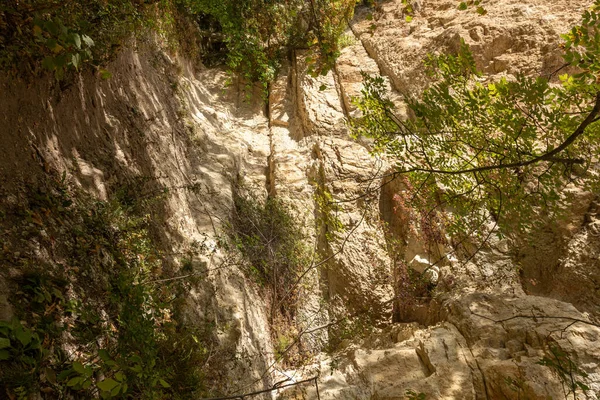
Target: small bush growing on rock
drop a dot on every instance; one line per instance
(412, 395)
(570, 374)
(268, 237)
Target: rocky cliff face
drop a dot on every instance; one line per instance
(519, 301)
(480, 334)
(158, 121)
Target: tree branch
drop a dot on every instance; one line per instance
(574, 320)
(549, 156)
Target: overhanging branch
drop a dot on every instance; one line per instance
(549, 156)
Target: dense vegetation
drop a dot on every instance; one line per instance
(259, 34)
(97, 313)
(95, 317)
(270, 240)
(55, 35)
(255, 35)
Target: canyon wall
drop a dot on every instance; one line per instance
(489, 320)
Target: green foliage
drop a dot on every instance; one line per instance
(408, 10)
(330, 19)
(346, 40)
(412, 395)
(271, 243)
(411, 290)
(61, 35)
(498, 150)
(349, 329)
(283, 341)
(260, 34)
(328, 213)
(582, 50)
(122, 329)
(21, 353)
(568, 372)
(67, 48)
(254, 32)
(516, 385)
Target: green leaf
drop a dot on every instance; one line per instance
(77, 40)
(104, 74)
(57, 293)
(60, 60)
(115, 390)
(59, 73)
(408, 18)
(104, 355)
(4, 355)
(583, 386)
(64, 374)
(52, 27)
(24, 336)
(137, 368)
(462, 6)
(4, 343)
(79, 368)
(56, 49)
(76, 60)
(164, 383)
(50, 375)
(74, 381)
(107, 385)
(87, 40)
(322, 87)
(51, 43)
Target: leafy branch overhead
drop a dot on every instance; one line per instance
(254, 35)
(498, 144)
(260, 34)
(57, 35)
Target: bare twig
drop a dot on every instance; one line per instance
(534, 317)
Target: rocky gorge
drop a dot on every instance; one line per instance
(515, 318)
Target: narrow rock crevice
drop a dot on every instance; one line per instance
(484, 382)
(340, 90)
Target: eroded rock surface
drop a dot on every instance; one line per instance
(489, 337)
(159, 119)
(493, 319)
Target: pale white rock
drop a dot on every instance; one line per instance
(420, 263)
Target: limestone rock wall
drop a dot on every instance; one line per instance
(499, 316)
(157, 117)
(493, 319)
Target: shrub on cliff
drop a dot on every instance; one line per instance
(494, 150)
(259, 34)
